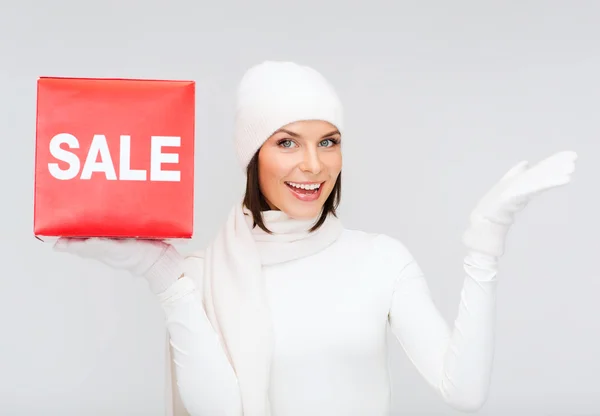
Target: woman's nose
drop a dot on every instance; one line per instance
(311, 162)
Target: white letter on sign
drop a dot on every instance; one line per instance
(65, 156)
(98, 147)
(157, 158)
(125, 171)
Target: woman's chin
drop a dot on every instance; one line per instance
(303, 210)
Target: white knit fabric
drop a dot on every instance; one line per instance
(273, 94)
(234, 290)
(329, 314)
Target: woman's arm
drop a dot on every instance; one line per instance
(206, 382)
(456, 361)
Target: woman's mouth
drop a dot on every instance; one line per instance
(306, 191)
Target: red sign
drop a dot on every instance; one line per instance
(114, 158)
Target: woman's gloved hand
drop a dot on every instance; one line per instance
(157, 261)
(493, 215)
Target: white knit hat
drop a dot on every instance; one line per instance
(273, 94)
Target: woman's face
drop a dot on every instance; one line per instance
(298, 167)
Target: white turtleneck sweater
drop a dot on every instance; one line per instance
(330, 314)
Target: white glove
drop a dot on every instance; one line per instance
(491, 219)
(157, 261)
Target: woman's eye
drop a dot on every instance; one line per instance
(285, 143)
(328, 142)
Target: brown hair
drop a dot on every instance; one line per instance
(255, 201)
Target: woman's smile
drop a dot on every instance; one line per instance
(305, 191)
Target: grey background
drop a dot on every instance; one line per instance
(441, 98)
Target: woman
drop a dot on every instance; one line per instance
(286, 311)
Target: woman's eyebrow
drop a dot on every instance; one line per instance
(291, 133)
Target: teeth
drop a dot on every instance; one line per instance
(305, 186)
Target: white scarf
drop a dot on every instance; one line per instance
(234, 290)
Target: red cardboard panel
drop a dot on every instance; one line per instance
(114, 158)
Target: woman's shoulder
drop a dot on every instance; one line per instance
(379, 246)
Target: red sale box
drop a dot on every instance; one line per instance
(114, 158)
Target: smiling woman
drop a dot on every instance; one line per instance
(286, 311)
